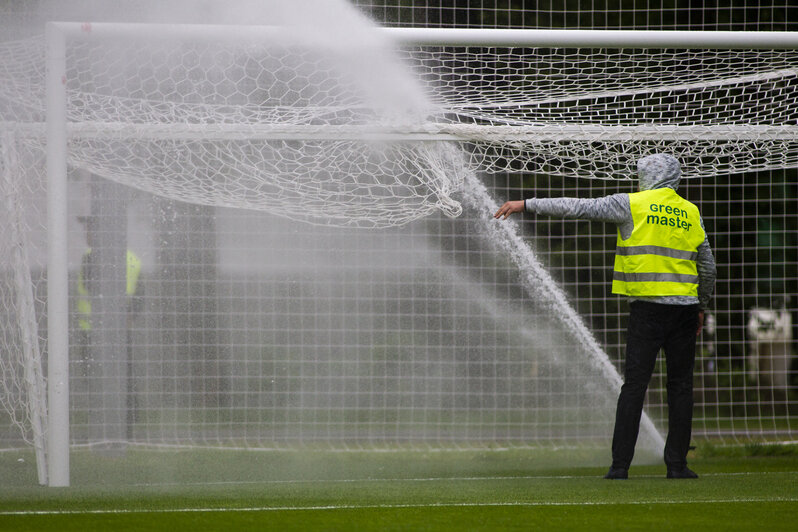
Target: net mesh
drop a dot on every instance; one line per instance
(257, 330)
(21, 333)
(592, 113)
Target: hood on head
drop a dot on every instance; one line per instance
(658, 171)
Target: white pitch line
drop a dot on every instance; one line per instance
(386, 506)
(434, 479)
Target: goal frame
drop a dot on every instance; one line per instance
(58, 131)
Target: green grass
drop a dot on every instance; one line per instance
(752, 487)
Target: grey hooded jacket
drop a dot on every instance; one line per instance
(654, 171)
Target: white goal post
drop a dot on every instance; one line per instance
(59, 129)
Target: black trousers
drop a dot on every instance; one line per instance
(653, 326)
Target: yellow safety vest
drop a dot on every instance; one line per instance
(659, 258)
(84, 301)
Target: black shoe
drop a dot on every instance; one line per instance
(617, 473)
(681, 473)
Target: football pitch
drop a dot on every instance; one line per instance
(745, 489)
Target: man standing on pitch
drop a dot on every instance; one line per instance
(664, 265)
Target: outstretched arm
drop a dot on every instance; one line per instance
(614, 208)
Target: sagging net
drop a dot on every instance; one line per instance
(292, 130)
(339, 130)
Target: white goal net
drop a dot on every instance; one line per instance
(308, 216)
(588, 113)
